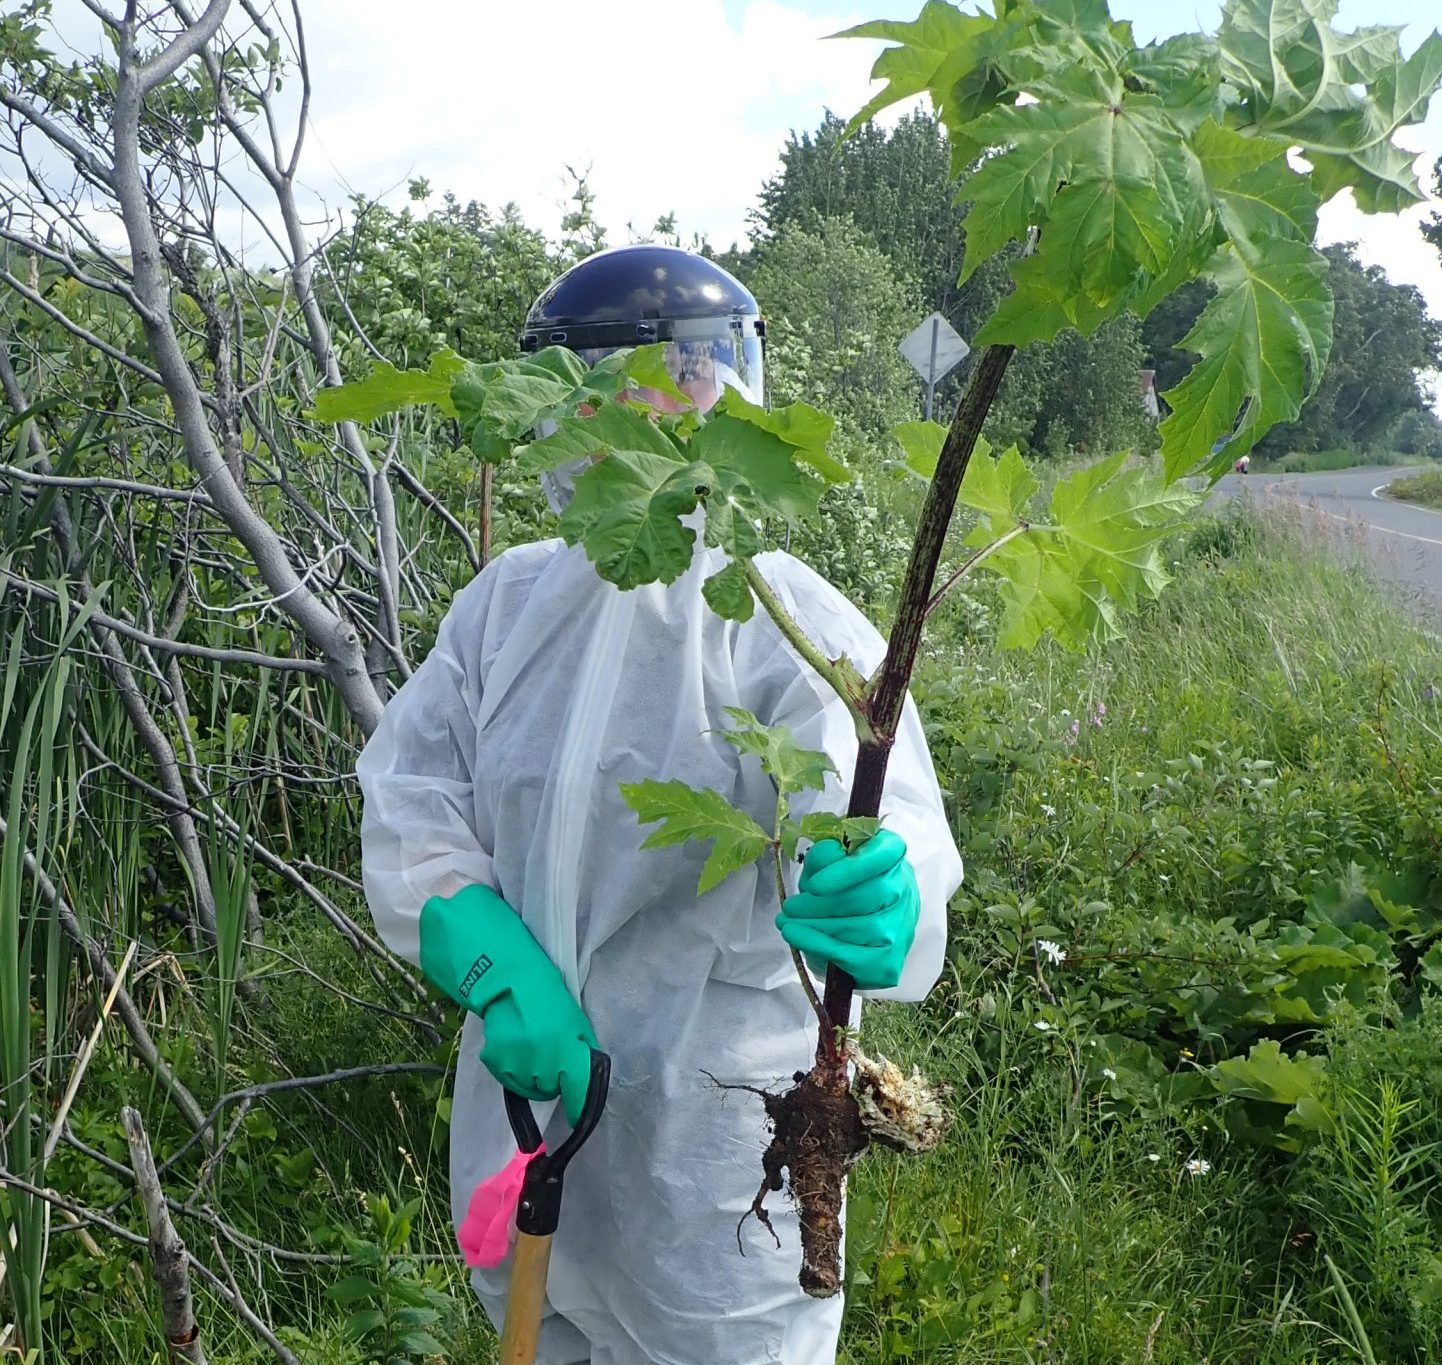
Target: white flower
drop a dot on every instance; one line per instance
(1047, 810)
(1196, 1166)
(1109, 1073)
(1041, 1026)
(1153, 1157)
(1053, 952)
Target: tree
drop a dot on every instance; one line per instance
(896, 186)
(196, 575)
(1076, 393)
(836, 307)
(410, 285)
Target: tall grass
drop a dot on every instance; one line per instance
(39, 801)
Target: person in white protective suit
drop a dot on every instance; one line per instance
(494, 831)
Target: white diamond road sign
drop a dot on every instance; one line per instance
(950, 350)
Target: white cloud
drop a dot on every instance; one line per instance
(673, 106)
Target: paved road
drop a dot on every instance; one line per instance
(1403, 542)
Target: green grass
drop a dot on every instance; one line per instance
(1267, 724)
(1321, 461)
(1425, 488)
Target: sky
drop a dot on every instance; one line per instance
(669, 105)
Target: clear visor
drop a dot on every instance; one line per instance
(705, 358)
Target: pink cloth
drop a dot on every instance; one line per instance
(485, 1233)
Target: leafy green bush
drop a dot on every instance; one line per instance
(1225, 834)
(1418, 432)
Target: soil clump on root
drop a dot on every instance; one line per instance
(817, 1135)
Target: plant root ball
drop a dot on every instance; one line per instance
(817, 1136)
(819, 1128)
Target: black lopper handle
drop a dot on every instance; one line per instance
(540, 1207)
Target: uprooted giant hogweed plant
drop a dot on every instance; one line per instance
(1109, 175)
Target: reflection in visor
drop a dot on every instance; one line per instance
(716, 356)
(703, 368)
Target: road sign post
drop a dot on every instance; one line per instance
(933, 350)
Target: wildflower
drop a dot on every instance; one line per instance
(1047, 810)
(1187, 1052)
(1073, 731)
(1109, 1073)
(1153, 1157)
(1163, 877)
(1053, 952)
(1098, 714)
(1197, 1166)
(1041, 1026)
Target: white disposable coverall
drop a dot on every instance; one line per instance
(500, 762)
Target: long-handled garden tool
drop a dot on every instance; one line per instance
(540, 1210)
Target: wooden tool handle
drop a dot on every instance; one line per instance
(526, 1301)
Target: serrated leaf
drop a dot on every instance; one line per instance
(613, 426)
(728, 593)
(1263, 340)
(751, 477)
(1099, 554)
(687, 815)
(1339, 97)
(1103, 168)
(792, 768)
(921, 444)
(509, 397)
(626, 511)
(845, 829)
(1257, 195)
(924, 45)
(806, 430)
(1183, 73)
(1000, 488)
(646, 366)
(1267, 1073)
(387, 389)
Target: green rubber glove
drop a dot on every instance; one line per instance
(857, 910)
(478, 950)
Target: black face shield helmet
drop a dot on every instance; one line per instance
(640, 295)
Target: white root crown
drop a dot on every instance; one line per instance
(899, 1111)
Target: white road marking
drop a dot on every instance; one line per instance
(1371, 526)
